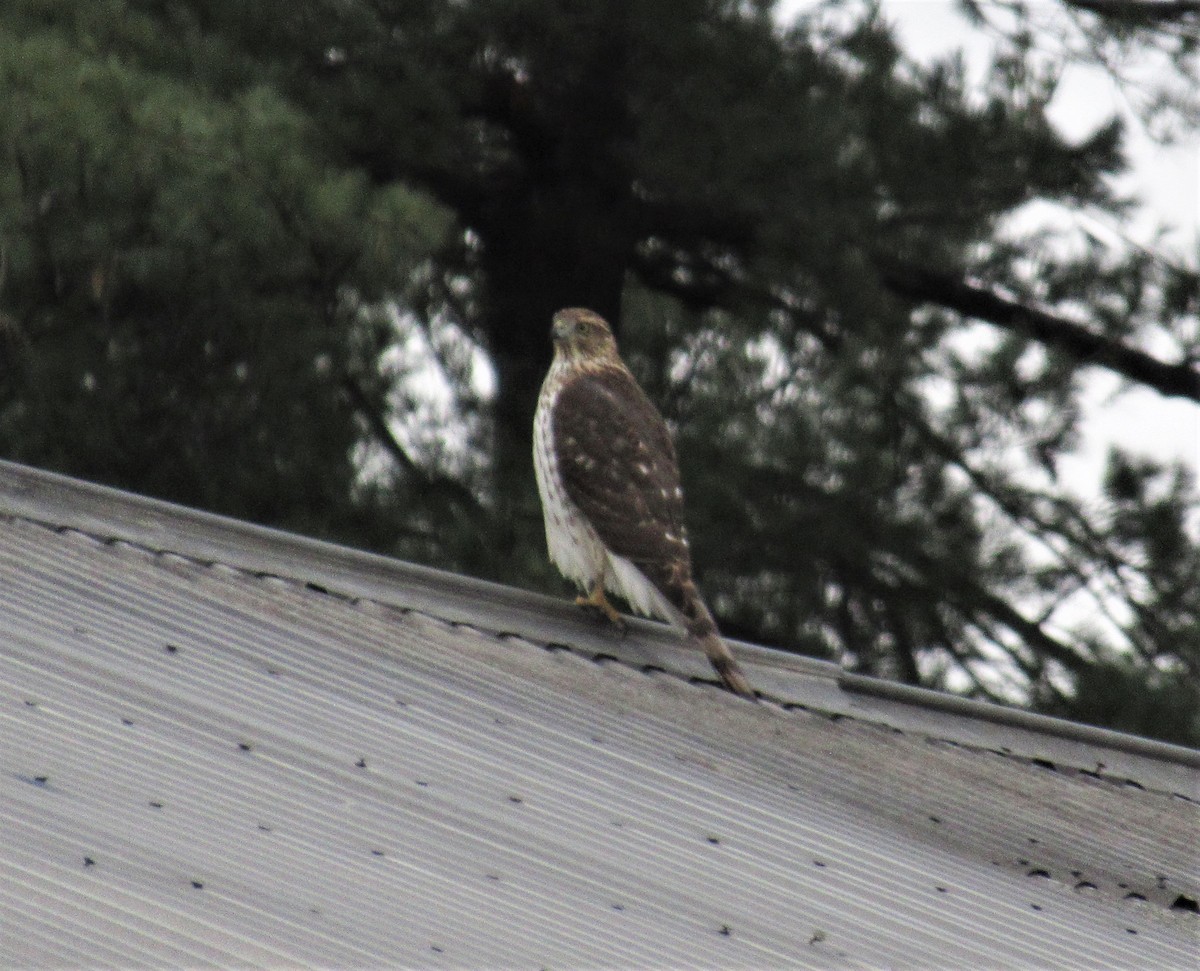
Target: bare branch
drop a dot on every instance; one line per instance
(1089, 348)
(1141, 12)
(453, 492)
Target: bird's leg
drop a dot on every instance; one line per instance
(596, 600)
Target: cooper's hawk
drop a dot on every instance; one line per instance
(609, 484)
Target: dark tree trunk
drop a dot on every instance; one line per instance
(557, 246)
(558, 224)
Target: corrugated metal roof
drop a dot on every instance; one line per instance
(204, 761)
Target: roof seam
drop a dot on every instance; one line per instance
(64, 504)
(598, 657)
(297, 584)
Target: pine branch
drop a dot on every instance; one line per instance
(1089, 348)
(1075, 529)
(1141, 12)
(451, 491)
(961, 592)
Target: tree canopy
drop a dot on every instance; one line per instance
(296, 261)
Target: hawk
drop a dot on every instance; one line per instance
(609, 484)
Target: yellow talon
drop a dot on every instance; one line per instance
(598, 601)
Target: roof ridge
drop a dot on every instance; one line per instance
(109, 514)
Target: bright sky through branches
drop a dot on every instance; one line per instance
(1165, 178)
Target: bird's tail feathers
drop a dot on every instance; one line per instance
(703, 633)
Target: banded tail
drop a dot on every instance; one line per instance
(702, 633)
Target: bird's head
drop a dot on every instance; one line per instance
(582, 335)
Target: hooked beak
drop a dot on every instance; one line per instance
(560, 329)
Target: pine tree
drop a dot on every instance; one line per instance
(803, 238)
(177, 255)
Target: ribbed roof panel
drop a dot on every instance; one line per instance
(204, 767)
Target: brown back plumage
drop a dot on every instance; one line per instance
(621, 472)
(617, 464)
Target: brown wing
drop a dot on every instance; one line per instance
(618, 466)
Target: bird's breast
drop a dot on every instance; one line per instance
(573, 544)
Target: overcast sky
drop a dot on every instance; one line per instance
(1166, 178)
